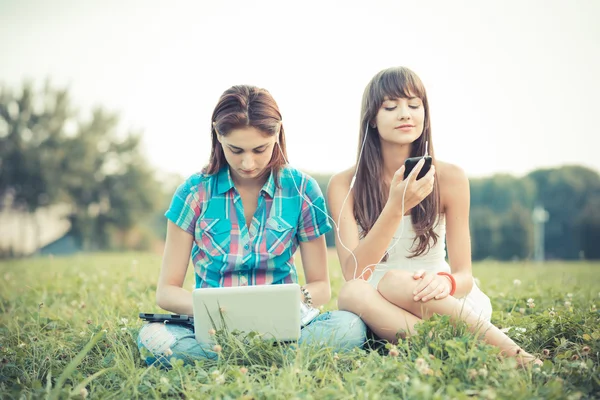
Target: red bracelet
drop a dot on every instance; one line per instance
(451, 280)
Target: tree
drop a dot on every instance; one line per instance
(107, 180)
(485, 233)
(500, 192)
(31, 130)
(564, 192)
(516, 234)
(588, 226)
(48, 155)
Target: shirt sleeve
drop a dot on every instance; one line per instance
(314, 221)
(186, 205)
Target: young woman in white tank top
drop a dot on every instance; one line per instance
(394, 231)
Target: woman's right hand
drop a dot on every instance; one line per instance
(416, 191)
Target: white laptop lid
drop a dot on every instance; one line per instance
(271, 310)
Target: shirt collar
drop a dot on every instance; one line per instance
(225, 183)
(269, 186)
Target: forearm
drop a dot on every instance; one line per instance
(464, 283)
(174, 299)
(372, 248)
(320, 292)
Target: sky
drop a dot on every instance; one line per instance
(512, 85)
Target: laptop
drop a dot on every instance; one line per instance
(270, 310)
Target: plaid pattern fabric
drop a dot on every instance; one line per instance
(226, 252)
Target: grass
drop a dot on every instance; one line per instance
(68, 329)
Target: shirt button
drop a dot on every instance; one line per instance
(246, 246)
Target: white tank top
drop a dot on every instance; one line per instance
(433, 260)
(401, 246)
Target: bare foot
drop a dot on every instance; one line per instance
(524, 359)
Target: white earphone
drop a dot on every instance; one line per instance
(337, 226)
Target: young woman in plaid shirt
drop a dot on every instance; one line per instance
(241, 220)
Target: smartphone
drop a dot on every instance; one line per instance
(412, 162)
(168, 318)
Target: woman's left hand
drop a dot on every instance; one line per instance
(432, 286)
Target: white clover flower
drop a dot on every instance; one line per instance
(422, 366)
(567, 304)
(530, 300)
(124, 321)
(517, 282)
(570, 295)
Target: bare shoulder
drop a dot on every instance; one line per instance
(341, 180)
(450, 174)
(453, 183)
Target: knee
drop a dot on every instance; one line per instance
(347, 330)
(156, 338)
(356, 329)
(397, 286)
(155, 343)
(352, 296)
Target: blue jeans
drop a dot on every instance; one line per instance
(340, 330)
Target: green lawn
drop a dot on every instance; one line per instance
(68, 328)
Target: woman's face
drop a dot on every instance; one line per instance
(247, 151)
(401, 120)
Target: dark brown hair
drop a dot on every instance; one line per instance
(244, 106)
(370, 192)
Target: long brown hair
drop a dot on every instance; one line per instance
(370, 192)
(244, 106)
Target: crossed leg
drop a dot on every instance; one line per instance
(391, 308)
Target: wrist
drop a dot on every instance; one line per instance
(307, 296)
(452, 281)
(393, 211)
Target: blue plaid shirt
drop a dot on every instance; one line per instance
(228, 253)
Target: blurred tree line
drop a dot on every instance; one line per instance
(49, 154)
(501, 219)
